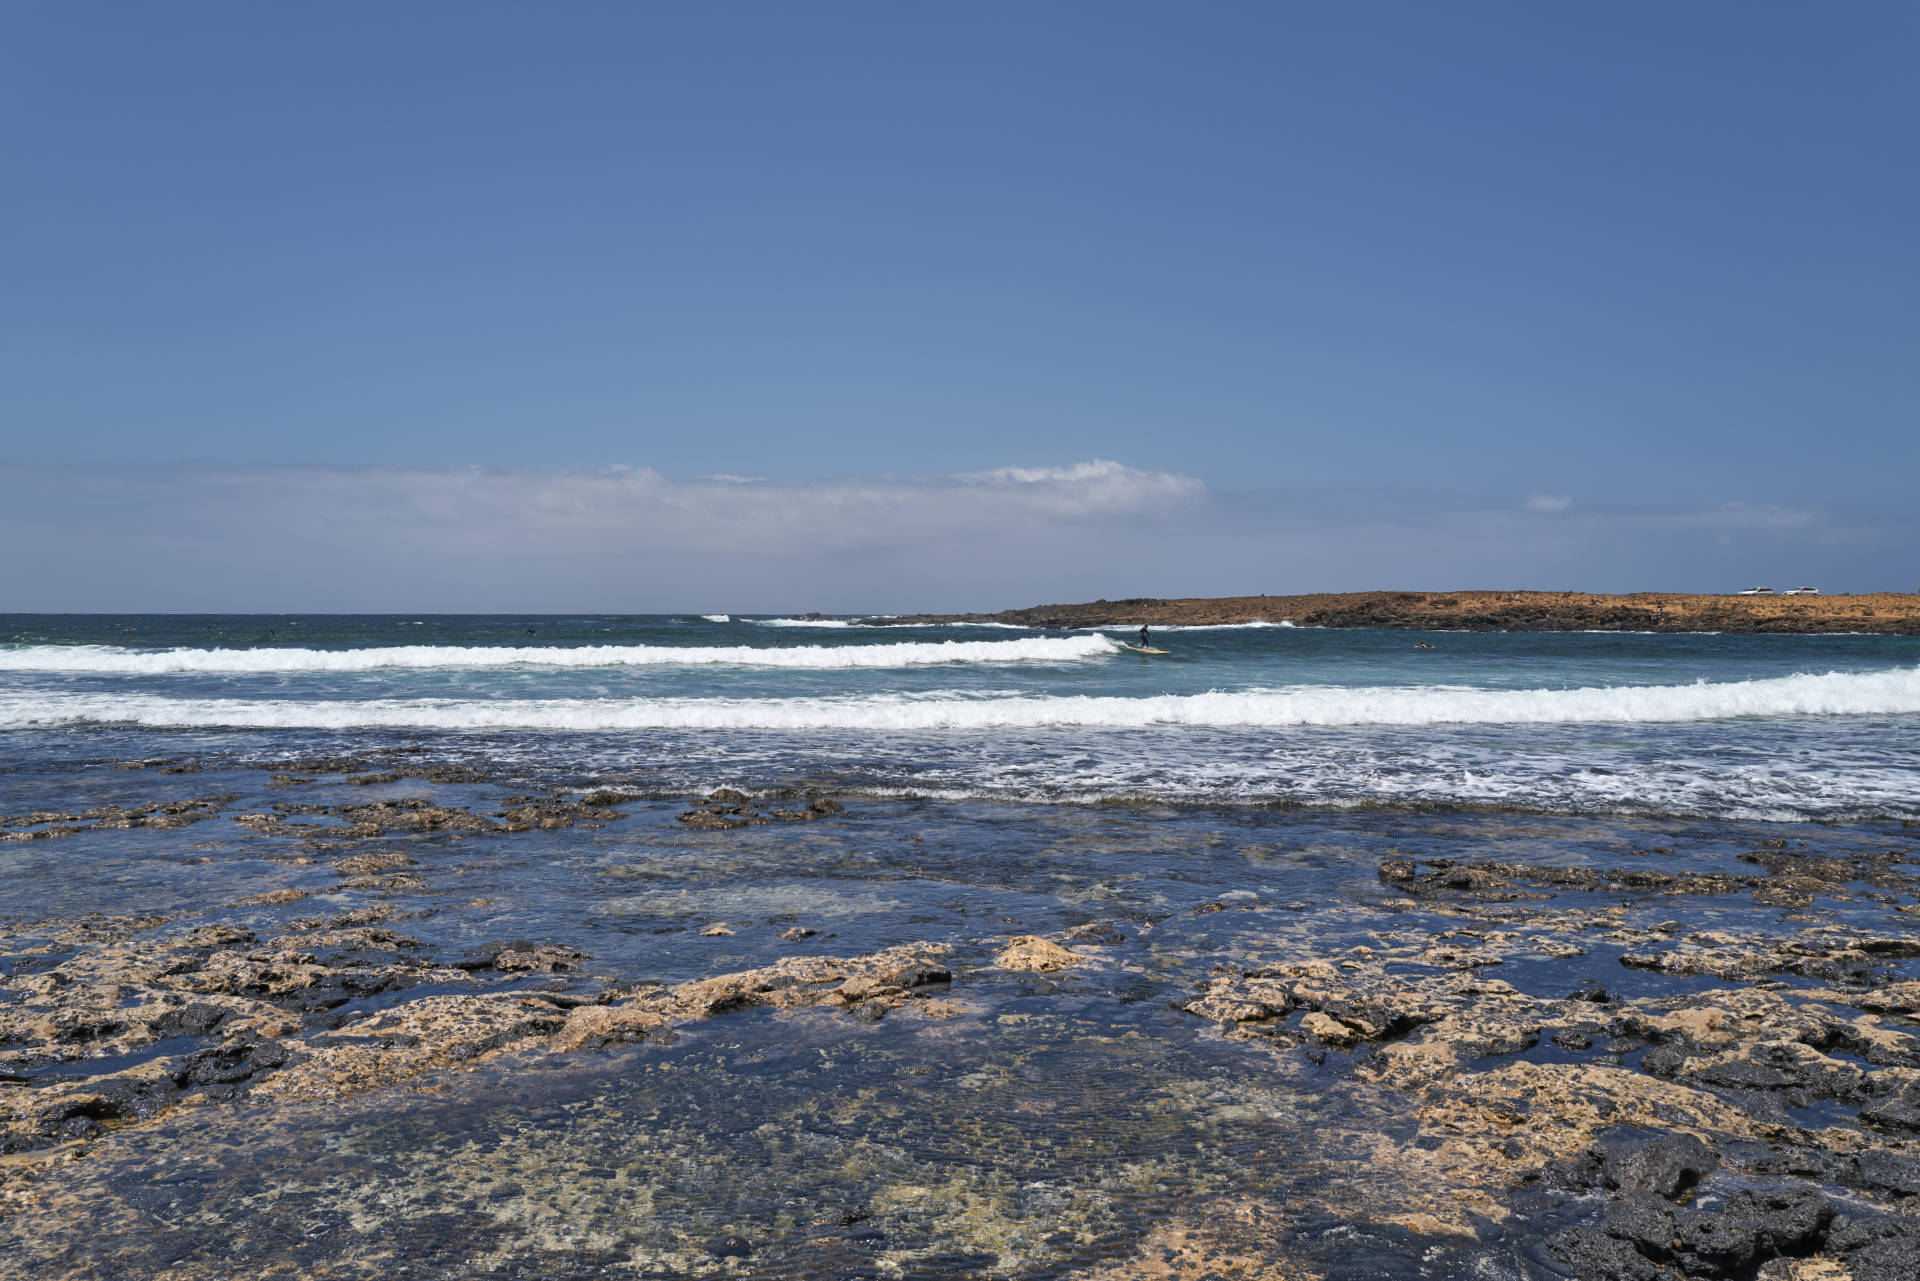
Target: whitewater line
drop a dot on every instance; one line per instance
(108, 659)
(1884, 693)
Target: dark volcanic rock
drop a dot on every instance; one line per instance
(1900, 1113)
(1595, 1255)
(197, 1019)
(1642, 1236)
(1877, 1249)
(1752, 1227)
(222, 1069)
(1669, 1167)
(1886, 1173)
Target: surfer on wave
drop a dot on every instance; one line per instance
(1145, 641)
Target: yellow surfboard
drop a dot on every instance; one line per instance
(1141, 649)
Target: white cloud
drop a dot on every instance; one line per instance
(634, 539)
(473, 537)
(1086, 489)
(629, 504)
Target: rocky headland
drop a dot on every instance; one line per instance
(1482, 611)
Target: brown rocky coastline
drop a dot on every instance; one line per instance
(1891, 613)
(1547, 1052)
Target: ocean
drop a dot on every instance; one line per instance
(1736, 726)
(726, 945)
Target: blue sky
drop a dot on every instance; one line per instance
(1392, 294)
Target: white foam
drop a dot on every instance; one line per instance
(113, 659)
(1883, 693)
(718, 618)
(800, 622)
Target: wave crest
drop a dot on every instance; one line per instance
(1884, 693)
(109, 659)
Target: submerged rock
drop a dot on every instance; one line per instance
(727, 808)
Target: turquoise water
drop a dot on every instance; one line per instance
(1754, 727)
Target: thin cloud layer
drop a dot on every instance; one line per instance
(478, 538)
(228, 538)
(759, 515)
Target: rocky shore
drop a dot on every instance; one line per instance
(1671, 1064)
(1483, 611)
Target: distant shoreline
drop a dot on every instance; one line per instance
(1886, 613)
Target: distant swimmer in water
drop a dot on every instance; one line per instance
(1146, 642)
(1423, 645)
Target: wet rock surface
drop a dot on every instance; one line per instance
(726, 808)
(1725, 1126)
(161, 815)
(512, 1029)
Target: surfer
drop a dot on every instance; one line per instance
(1145, 641)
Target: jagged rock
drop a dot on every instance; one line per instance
(521, 957)
(726, 808)
(165, 815)
(415, 1037)
(1331, 1031)
(1596, 1255)
(593, 1026)
(867, 985)
(410, 815)
(1894, 1174)
(1034, 954)
(552, 814)
(1669, 1167)
(1877, 1249)
(1751, 1227)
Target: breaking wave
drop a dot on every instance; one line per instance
(109, 659)
(1895, 692)
(801, 622)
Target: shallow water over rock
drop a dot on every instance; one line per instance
(339, 1027)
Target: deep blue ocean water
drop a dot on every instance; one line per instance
(1787, 728)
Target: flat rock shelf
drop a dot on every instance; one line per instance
(339, 1016)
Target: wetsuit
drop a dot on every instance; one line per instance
(1145, 642)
